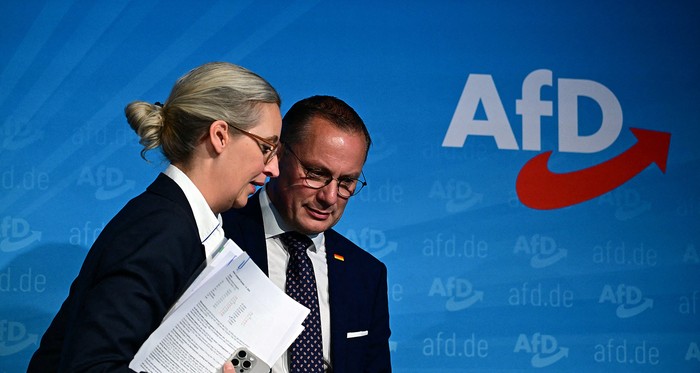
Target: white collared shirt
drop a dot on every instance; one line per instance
(277, 259)
(209, 225)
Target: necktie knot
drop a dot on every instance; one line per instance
(295, 242)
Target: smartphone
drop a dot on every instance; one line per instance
(246, 362)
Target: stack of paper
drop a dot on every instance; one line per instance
(231, 304)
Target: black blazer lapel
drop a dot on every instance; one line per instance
(338, 287)
(245, 227)
(164, 186)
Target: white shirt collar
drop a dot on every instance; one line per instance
(274, 224)
(206, 221)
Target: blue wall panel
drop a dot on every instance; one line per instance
(478, 279)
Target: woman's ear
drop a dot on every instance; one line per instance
(219, 136)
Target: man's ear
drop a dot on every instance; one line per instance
(219, 136)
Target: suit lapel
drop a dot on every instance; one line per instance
(338, 292)
(164, 186)
(245, 227)
(257, 248)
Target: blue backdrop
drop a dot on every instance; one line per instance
(591, 263)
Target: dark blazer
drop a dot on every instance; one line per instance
(134, 272)
(357, 287)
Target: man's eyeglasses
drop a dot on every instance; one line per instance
(316, 179)
(268, 148)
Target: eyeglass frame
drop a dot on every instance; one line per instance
(361, 182)
(274, 148)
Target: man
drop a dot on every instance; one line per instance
(325, 145)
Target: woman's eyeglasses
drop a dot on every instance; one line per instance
(268, 148)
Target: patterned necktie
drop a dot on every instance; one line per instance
(306, 352)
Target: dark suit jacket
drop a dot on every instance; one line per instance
(357, 287)
(134, 272)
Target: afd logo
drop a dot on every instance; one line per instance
(14, 337)
(628, 203)
(381, 149)
(544, 349)
(373, 240)
(691, 255)
(543, 250)
(458, 195)
(628, 298)
(538, 187)
(460, 293)
(693, 352)
(19, 134)
(109, 181)
(16, 234)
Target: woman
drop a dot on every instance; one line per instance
(219, 129)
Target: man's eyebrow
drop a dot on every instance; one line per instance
(273, 139)
(319, 169)
(326, 172)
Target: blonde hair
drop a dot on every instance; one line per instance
(214, 91)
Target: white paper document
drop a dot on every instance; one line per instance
(231, 304)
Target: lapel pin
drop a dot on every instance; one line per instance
(339, 257)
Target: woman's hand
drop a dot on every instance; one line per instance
(228, 368)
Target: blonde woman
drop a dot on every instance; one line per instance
(219, 129)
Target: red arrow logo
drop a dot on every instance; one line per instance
(539, 188)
